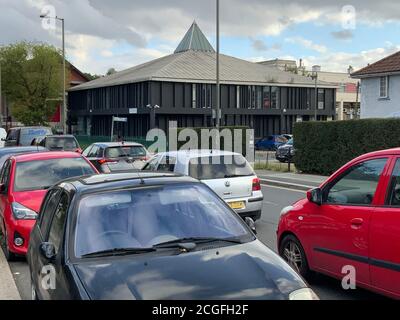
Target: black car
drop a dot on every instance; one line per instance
(5, 153)
(110, 157)
(58, 143)
(150, 236)
(286, 152)
(23, 136)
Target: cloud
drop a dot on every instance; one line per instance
(343, 35)
(307, 44)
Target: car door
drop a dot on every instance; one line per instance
(55, 237)
(385, 235)
(12, 138)
(5, 181)
(338, 231)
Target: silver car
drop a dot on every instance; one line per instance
(228, 174)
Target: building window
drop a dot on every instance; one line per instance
(237, 97)
(193, 96)
(384, 87)
(321, 99)
(266, 98)
(274, 97)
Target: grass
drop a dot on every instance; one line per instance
(275, 166)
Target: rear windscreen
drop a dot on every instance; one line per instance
(125, 151)
(27, 135)
(219, 167)
(61, 143)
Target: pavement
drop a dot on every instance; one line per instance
(296, 181)
(8, 288)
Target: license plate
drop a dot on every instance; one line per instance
(237, 205)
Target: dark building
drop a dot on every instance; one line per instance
(183, 86)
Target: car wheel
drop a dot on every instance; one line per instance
(10, 256)
(34, 296)
(293, 253)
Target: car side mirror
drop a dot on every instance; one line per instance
(250, 222)
(3, 139)
(2, 188)
(48, 251)
(315, 196)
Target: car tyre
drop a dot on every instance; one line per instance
(10, 256)
(34, 296)
(292, 252)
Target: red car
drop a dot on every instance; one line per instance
(353, 219)
(24, 180)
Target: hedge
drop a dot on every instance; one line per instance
(323, 147)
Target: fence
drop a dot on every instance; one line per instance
(266, 160)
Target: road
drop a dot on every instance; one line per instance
(275, 199)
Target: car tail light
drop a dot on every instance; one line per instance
(103, 161)
(144, 158)
(256, 184)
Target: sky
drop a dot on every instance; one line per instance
(103, 34)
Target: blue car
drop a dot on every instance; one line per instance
(271, 143)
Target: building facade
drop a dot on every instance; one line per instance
(380, 87)
(182, 86)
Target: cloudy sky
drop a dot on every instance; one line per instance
(101, 34)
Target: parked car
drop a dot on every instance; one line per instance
(353, 219)
(227, 173)
(24, 181)
(58, 143)
(3, 136)
(152, 236)
(110, 157)
(5, 153)
(271, 143)
(23, 136)
(285, 153)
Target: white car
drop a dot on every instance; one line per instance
(3, 136)
(228, 174)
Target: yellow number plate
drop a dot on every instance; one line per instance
(237, 205)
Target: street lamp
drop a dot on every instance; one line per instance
(64, 113)
(218, 112)
(152, 114)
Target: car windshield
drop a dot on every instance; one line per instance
(290, 142)
(27, 135)
(146, 217)
(219, 167)
(61, 143)
(42, 174)
(125, 151)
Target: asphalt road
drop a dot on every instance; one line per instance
(275, 199)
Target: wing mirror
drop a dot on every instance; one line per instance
(315, 196)
(250, 222)
(48, 251)
(2, 188)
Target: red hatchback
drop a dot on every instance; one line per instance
(24, 180)
(353, 220)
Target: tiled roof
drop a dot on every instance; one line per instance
(387, 65)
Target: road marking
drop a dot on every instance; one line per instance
(294, 190)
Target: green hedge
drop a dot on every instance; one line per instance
(323, 147)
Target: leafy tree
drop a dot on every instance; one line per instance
(92, 76)
(111, 71)
(32, 80)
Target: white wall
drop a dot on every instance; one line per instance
(374, 107)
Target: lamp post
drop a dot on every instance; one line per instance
(315, 78)
(64, 109)
(217, 113)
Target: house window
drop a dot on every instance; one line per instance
(384, 87)
(321, 99)
(193, 96)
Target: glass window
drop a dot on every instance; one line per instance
(42, 174)
(50, 204)
(151, 165)
(5, 177)
(393, 197)
(383, 92)
(58, 222)
(94, 152)
(28, 134)
(321, 99)
(274, 97)
(266, 98)
(125, 151)
(358, 185)
(61, 143)
(146, 217)
(219, 167)
(167, 164)
(87, 151)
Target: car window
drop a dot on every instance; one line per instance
(167, 164)
(5, 177)
(219, 167)
(56, 230)
(42, 174)
(87, 151)
(93, 152)
(393, 195)
(46, 212)
(141, 218)
(28, 134)
(12, 135)
(125, 151)
(358, 185)
(151, 165)
(61, 143)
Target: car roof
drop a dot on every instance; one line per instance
(10, 150)
(387, 152)
(46, 156)
(117, 144)
(59, 136)
(33, 127)
(99, 182)
(197, 153)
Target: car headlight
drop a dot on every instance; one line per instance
(303, 294)
(286, 210)
(292, 152)
(21, 212)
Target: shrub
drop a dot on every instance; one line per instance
(323, 147)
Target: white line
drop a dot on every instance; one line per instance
(294, 190)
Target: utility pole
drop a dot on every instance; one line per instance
(217, 113)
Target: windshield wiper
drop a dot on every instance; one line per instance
(196, 240)
(118, 252)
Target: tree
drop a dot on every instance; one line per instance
(111, 71)
(92, 76)
(32, 80)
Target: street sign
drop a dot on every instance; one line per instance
(133, 110)
(118, 119)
